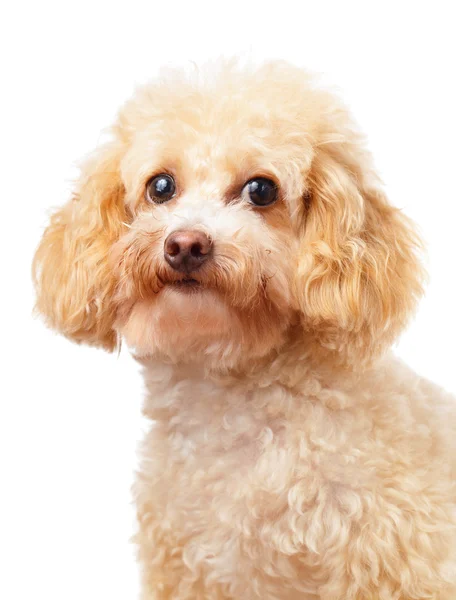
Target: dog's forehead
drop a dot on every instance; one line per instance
(218, 145)
(228, 116)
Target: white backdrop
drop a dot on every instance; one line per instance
(70, 416)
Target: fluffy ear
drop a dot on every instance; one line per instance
(359, 275)
(72, 276)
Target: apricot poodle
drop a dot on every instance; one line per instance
(233, 232)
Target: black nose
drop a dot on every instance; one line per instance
(186, 251)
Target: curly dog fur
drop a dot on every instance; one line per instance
(290, 455)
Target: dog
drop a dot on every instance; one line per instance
(232, 231)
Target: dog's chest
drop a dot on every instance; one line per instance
(230, 474)
(234, 483)
(253, 488)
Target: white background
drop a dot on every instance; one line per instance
(70, 416)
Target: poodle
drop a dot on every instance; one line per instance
(232, 231)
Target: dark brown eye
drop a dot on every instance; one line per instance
(160, 188)
(260, 191)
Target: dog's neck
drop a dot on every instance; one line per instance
(294, 368)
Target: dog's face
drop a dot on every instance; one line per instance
(224, 217)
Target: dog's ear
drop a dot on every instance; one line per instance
(72, 276)
(359, 274)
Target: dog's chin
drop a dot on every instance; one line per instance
(182, 321)
(187, 322)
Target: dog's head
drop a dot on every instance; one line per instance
(227, 213)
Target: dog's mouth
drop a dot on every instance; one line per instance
(186, 284)
(183, 282)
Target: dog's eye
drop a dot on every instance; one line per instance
(260, 191)
(160, 188)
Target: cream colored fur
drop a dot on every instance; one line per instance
(290, 455)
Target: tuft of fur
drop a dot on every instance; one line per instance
(290, 456)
